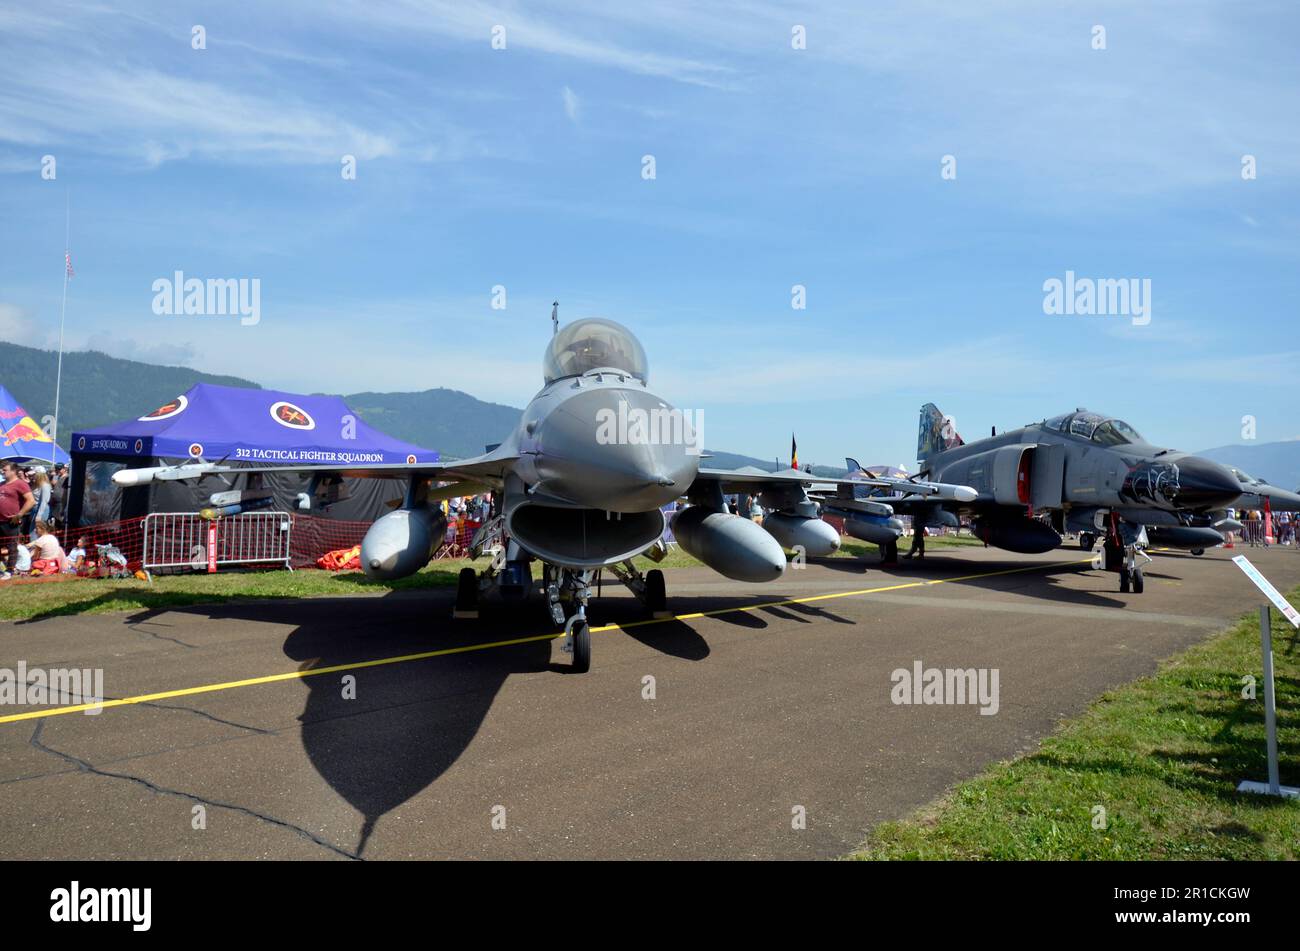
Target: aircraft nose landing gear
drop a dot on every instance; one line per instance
(577, 641)
(575, 586)
(1122, 548)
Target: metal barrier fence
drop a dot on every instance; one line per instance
(183, 540)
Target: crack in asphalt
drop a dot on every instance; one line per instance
(86, 767)
(159, 637)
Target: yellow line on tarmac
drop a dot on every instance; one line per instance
(446, 651)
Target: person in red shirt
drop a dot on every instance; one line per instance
(16, 500)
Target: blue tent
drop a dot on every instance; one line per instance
(258, 427)
(21, 437)
(243, 427)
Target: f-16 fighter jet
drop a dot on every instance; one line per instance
(580, 485)
(1255, 494)
(1081, 472)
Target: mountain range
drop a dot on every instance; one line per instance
(98, 389)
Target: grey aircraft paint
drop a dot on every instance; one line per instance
(580, 485)
(1081, 471)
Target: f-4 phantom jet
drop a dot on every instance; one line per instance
(1081, 472)
(580, 485)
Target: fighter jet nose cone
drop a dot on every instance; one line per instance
(617, 448)
(1203, 484)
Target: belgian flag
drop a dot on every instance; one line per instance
(794, 453)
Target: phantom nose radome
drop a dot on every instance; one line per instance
(1203, 484)
(619, 449)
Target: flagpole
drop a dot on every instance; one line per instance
(63, 313)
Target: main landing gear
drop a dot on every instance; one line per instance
(649, 588)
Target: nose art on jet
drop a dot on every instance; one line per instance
(1203, 484)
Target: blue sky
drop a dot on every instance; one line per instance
(775, 166)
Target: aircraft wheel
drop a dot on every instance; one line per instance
(467, 593)
(656, 592)
(581, 647)
(1198, 551)
(1123, 581)
(1087, 540)
(1138, 581)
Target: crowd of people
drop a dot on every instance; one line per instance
(1254, 527)
(33, 500)
(464, 515)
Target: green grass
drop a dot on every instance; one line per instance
(1162, 756)
(97, 596)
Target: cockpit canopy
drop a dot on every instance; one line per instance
(591, 344)
(1100, 429)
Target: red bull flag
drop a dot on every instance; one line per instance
(21, 437)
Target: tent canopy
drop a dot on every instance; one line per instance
(253, 426)
(21, 437)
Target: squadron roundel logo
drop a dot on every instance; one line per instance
(410, 459)
(293, 417)
(139, 446)
(167, 410)
(196, 450)
(81, 442)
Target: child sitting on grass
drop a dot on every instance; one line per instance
(46, 550)
(75, 563)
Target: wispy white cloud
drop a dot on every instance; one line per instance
(571, 104)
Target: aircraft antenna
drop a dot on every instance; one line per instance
(555, 318)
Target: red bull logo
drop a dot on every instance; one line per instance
(25, 430)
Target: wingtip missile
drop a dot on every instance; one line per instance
(129, 477)
(964, 493)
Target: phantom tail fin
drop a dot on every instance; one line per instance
(936, 433)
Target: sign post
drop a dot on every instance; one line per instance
(1273, 787)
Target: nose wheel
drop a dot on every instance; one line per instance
(565, 585)
(1131, 579)
(1124, 552)
(577, 641)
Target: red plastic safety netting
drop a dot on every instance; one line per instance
(310, 538)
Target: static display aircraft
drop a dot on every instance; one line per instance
(1081, 472)
(580, 485)
(1255, 494)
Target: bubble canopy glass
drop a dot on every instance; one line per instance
(592, 344)
(1106, 430)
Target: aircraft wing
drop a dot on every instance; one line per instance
(750, 479)
(487, 469)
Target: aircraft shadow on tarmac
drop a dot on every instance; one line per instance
(1045, 582)
(410, 722)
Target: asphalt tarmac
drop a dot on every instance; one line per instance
(457, 745)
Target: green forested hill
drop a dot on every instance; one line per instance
(97, 388)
